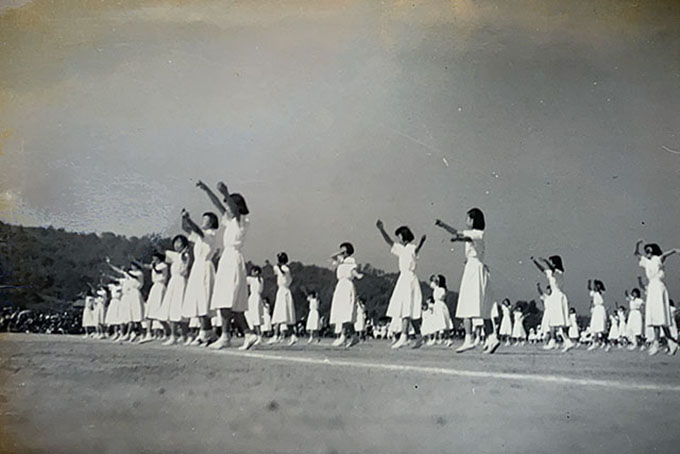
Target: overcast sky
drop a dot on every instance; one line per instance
(560, 120)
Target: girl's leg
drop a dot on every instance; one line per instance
(468, 344)
(672, 343)
(293, 336)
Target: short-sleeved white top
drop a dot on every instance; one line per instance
(345, 268)
(234, 232)
(204, 246)
(653, 267)
(159, 273)
(283, 276)
(255, 285)
(179, 262)
(439, 294)
(555, 279)
(407, 257)
(597, 298)
(474, 249)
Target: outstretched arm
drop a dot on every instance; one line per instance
(441, 224)
(190, 226)
(540, 290)
(540, 267)
(590, 285)
(667, 254)
(385, 235)
(638, 253)
(420, 245)
(211, 195)
(230, 205)
(114, 267)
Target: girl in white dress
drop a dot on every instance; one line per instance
(473, 285)
(111, 318)
(154, 302)
(343, 305)
(557, 304)
(360, 324)
(519, 334)
(255, 312)
(623, 329)
(131, 304)
(427, 325)
(100, 312)
(573, 326)
(284, 306)
(199, 286)
(598, 314)
(171, 307)
(442, 317)
(230, 297)
(657, 307)
(266, 316)
(634, 324)
(407, 298)
(88, 314)
(312, 325)
(543, 330)
(506, 322)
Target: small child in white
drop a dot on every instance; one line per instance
(442, 317)
(254, 314)
(598, 313)
(506, 323)
(519, 334)
(407, 298)
(312, 325)
(360, 323)
(573, 326)
(634, 323)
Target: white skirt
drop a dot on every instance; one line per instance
(598, 319)
(360, 322)
(88, 317)
(199, 290)
(623, 329)
(657, 306)
(573, 332)
(427, 327)
(255, 310)
(518, 331)
(441, 317)
(313, 321)
(194, 322)
(231, 290)
(634, 325)
(472, 294)
(613, 331)
(284, 308)
(343, 304)
(506, 326)
(266, 321)
(154, 302)
(557, 309)
(407, 298)
(171, 309)
(132, 306)
(112, 312)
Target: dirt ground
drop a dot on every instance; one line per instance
(62, 394)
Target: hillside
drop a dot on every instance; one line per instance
(48, 268)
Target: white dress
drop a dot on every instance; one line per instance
(472, 294)
(360, 323)
(634, 325)
(573, 327)
(112, 317)
(313, 316)
(441, 315)
(427, 325)
(132, 303)
(201, 277)
(171, 309)
(518, 331)
(613, 328)
(154, 303)
(88, 313)
(506, 322)
(407, 298)
(255, 305)
(623, 329)
(266, 319)
(556, 304)
(284, 307)
(343, 304)
(100, 307)
(657, 306)
(231, 291)
(598, 317)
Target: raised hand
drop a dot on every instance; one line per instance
(201, 185)
(185, 213)
(438, 223)
(222, 188)
(380, 224)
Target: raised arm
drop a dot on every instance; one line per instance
(540, 290)
(420, 245)
(230, 205)
(212, 196)
(441, 224)
(590, 285)
(638, 253)
(114, 267)
(357, 275)
(667, 254)
(385, 235)
(190, 226)
(540, 267)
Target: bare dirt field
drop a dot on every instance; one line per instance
(63, 394)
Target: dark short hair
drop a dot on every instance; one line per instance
(442, 280)
(159, 255)
(282, 257)
(405, 233)
(599, 285)
(655, 249)
(214, 222)
(348, 247)
(240, 202)
(478, 222)
(556, 262)
(182, 238)
(256, 268)
(635, 292)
